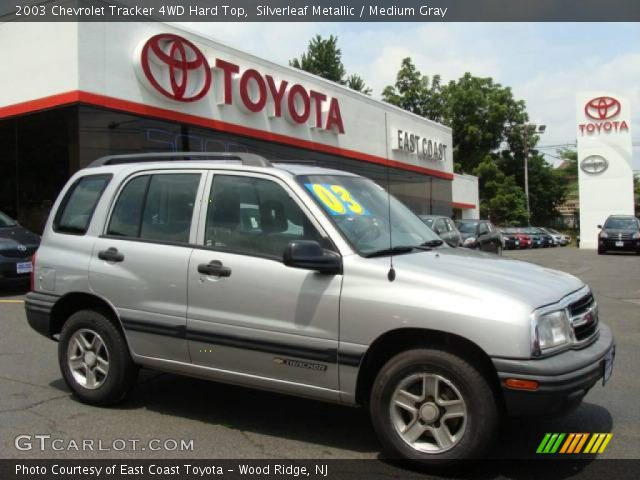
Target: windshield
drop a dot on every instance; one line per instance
(6, 221)
(621, 223)
(467, 227)
(360, 209)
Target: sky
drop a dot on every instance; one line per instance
(545, 64)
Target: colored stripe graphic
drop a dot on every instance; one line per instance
(550, 443)
(567, 443)
(574, 443)
(606, 441)
(543, 443)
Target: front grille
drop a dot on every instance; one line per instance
(580, 306)
(621, 236)
(15, 253)
(584, 317)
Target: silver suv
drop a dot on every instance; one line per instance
(281, 277)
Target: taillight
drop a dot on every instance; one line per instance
(32, 278)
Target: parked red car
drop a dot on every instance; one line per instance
(524, 240)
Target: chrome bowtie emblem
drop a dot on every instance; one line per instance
(22, 248)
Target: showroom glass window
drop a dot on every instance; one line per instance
(106, 132)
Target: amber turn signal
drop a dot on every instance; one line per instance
(519, 384)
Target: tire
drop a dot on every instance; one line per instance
(601, 251)
(469, 435)
(108, 383)
(499, 250)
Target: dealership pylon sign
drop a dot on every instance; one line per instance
(605, 175)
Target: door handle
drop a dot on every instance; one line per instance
(215, 269)
(110, 255)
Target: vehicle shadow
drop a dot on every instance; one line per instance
(350, 429)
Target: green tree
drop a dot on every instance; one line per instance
(322, 58)
(355, 82)
(415, 93)
(636, 191)
(501, 200)
(548, 187)
(482, 114)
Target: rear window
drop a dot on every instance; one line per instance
(76, 210)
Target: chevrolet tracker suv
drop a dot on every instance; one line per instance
(310, 282)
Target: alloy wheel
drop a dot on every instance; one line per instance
(88, 358)
(429, 413)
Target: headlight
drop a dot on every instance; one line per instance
(636, 235)
(469, 241)
(550, 330)
(604, 235)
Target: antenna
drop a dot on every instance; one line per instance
(392, 272)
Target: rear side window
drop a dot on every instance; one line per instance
(156, 207)
(127, 214)
(77, 207)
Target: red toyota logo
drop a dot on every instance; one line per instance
(175, 67)
(602, 108)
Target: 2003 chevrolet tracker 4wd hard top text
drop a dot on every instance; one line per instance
(277, 276)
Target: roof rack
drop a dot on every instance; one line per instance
(249, 159)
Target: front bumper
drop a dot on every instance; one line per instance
(564, 379)
(614, 244)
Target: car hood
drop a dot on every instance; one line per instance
(478, 272)
(19, 236)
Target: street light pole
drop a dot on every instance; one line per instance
(526, 180)
(529, 131)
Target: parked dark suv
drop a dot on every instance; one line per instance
(620, 232)
(480, 235)
(17, 245)
(444, 227)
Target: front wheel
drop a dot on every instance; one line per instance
(94, 359)
(433, 407)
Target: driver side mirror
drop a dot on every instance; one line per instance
(309, 255)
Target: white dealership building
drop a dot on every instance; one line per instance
(72, 92)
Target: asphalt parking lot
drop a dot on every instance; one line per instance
(231, 422)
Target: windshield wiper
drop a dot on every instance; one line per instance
(432, 243)
(397, 250)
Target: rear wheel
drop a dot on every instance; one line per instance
(433, 407)
(94, 359)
